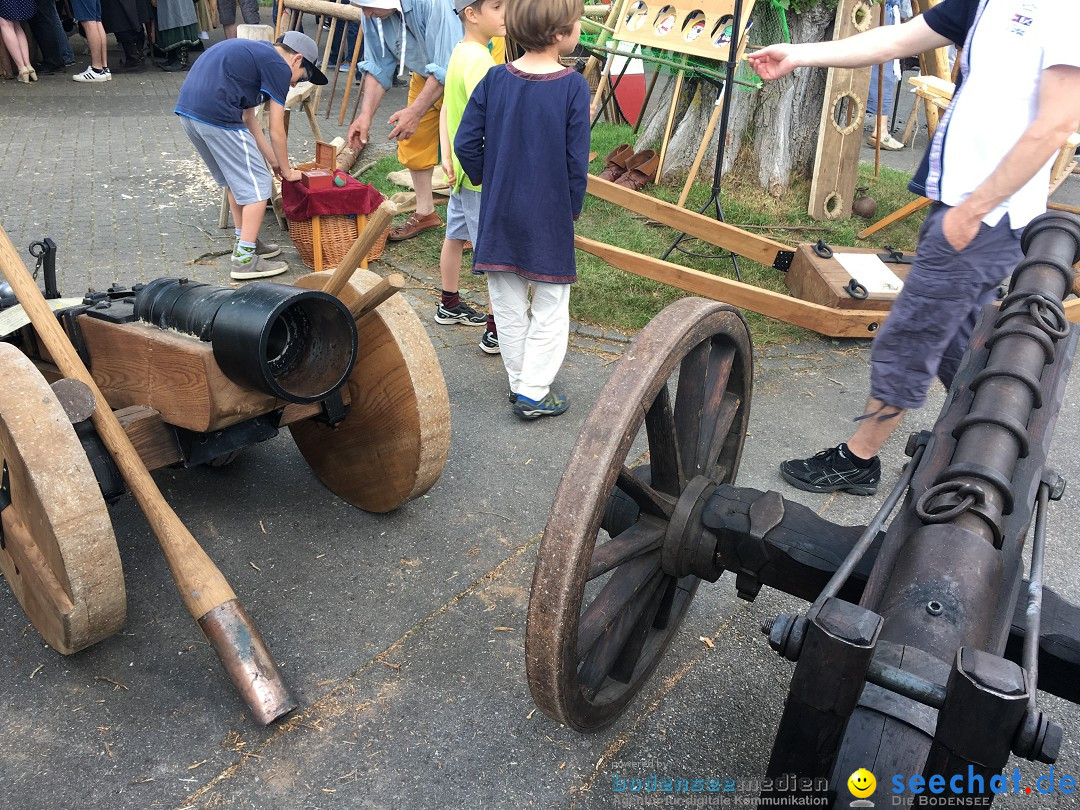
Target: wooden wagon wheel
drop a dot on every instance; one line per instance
(393, 444)
(58, 550)
(607, 595)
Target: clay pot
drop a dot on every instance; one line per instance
(863, 205)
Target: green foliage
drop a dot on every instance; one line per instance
(800, 6)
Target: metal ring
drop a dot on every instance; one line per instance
(823, 250)
(856, 290)
(972, 494)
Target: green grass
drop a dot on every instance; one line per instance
(609, 297)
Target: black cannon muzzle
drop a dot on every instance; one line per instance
(298, 345)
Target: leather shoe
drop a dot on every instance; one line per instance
(616, 162)
(413, 226)
(640, 170)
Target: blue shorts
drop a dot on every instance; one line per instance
(233, 159)
(86, 10)
(463, 215)
(931, 321)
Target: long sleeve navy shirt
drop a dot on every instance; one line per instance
(525, 136)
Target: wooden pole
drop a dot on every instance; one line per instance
(702, 148)
(670, 121)
(206, 593)
(376, 224)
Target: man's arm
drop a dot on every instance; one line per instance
(1058, 118)
(407, 120)
(871, 47)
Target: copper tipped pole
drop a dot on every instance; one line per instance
(206, 593)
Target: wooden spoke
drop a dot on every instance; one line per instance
(664, 463)
(682, 387)
(689, 401)
(624, 585)
(644, 536)
(648, 499)
(608, 649)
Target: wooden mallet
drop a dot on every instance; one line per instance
(205, 591)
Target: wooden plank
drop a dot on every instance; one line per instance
(757, 248)
(154, 441)
(897, 215)
(681, 26)
(175, 374)
(836, 163)
(823, 320)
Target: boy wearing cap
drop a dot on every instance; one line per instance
(419, 35)
(469, 63)
(217, 108)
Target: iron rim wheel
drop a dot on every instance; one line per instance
(602, 613)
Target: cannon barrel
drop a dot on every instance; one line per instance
(293, 343)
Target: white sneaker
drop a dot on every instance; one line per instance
(91, 75)
(255, 267)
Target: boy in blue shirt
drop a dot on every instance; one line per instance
(217, 108)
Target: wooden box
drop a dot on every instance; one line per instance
(824, 281)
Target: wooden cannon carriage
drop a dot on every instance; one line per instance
(337, 359)
(919, 653)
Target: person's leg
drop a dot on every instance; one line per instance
(95, 37)
(227, 17)
(10, 32)
(509, 294)
(249, 10)
(545, 340)
(67, 55)
(451, 308)
(419, 154)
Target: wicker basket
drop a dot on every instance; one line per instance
(338, 232)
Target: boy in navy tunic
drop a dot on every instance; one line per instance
(525, 137)
(217, 105)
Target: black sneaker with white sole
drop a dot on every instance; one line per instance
(462, 313)
(489, 343)
(832, 470)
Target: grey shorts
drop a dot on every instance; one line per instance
(931, 321)
(233, 159)
(249, 10)
(463, 215)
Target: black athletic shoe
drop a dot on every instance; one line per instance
(830, 471)
(462, 313)
(489, 343)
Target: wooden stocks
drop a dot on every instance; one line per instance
(202, 586)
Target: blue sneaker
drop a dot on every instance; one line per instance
(551, 405)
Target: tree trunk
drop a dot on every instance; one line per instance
(772, 133)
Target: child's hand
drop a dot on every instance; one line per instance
(448, 169)
(290, 174)
(405, 124)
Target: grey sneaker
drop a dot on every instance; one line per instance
(255, 267)
(462, 313)
(266, 250)
(832, 470)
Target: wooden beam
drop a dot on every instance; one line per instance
(757, 248)
(823, 320)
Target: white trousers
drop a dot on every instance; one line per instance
(532, 338)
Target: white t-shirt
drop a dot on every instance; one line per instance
(1006, 46)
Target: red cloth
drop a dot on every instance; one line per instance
(354, 197)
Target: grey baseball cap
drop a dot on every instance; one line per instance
(461, 5)
(306, 47)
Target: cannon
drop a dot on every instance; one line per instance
(177, 373)
(922, 645)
